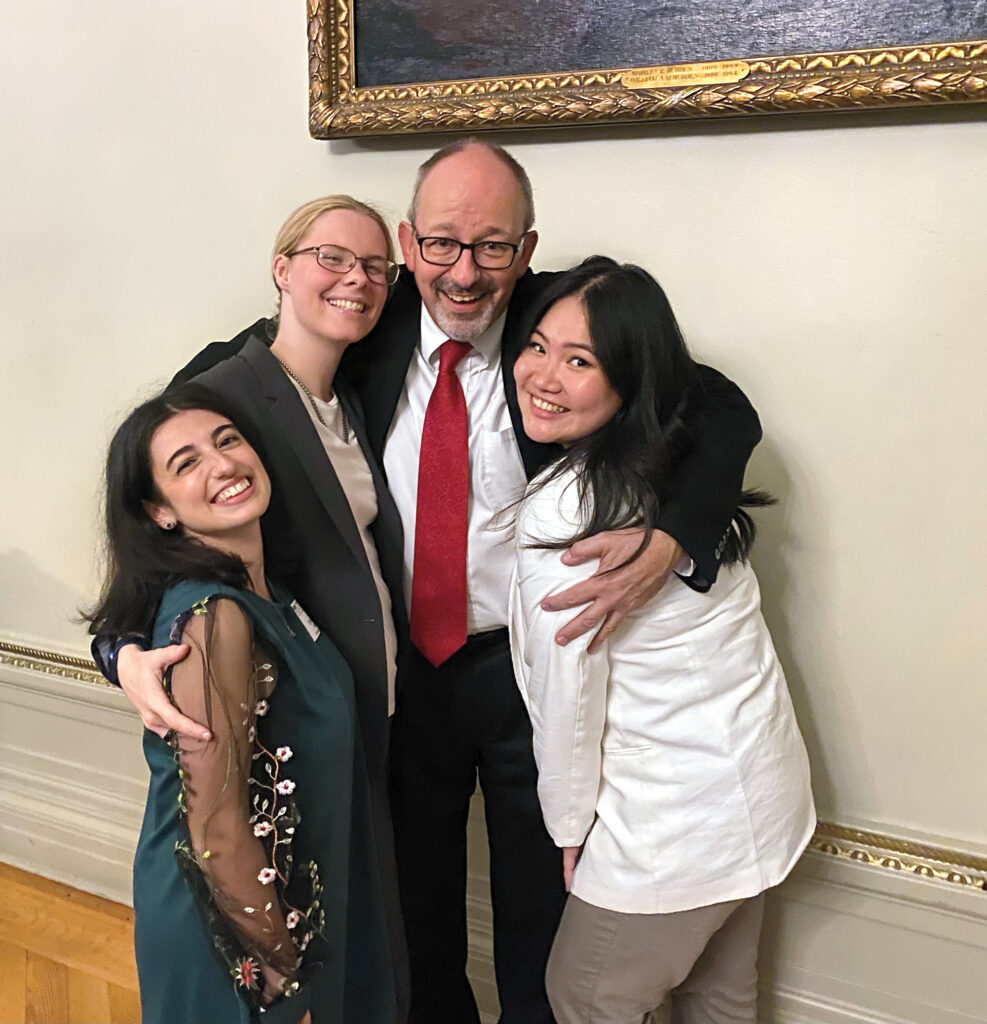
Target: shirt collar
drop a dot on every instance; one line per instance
(487, 344)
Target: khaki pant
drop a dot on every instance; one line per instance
(693, 967)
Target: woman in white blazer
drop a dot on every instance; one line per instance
(671, 768)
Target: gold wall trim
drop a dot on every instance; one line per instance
(928, 74)
(901, 855)
(834, 840)
(52, 663)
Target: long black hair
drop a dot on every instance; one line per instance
(626, 467)
(143, 560)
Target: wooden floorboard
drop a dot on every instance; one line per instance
(46, 991)
(13, 971)
(66, 956)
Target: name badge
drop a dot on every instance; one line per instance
(310, 627)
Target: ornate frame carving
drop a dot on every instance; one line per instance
(929, 74)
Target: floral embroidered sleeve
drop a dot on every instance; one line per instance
(236, 802)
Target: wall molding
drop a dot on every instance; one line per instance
(955, 867)
(52, 663)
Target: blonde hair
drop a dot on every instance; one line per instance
(297, 226)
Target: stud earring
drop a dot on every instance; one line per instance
(169, 525)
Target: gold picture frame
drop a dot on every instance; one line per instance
(926, 74)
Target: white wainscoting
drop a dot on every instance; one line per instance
(848, 938)
(72, 776)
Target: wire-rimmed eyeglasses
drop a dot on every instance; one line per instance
(445, 252)
(341, 261)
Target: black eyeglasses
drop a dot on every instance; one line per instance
(342, 261)
(444, 252)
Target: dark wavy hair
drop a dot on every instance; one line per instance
(142, 560)
(627, 466)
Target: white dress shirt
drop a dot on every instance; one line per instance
(673, 752)
(496, 471)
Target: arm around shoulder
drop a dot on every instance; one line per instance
(706, 484)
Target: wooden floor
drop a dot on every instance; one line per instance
(66, 957)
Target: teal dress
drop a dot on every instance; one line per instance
(256, 849)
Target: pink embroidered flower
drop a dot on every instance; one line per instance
(284, 753)
(293, 918)
(261, 707)
(263, 828)
(266, 876)
(246, 972)
(285, 786)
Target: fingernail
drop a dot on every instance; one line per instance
(561, 640)
(207, 735)
(546, 606)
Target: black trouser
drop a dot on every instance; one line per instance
(463, 720)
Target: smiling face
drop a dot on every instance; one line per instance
(320, 303)
(208, 480)
(562, 390)
(471, 196)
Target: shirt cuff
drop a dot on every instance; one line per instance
(105, 649)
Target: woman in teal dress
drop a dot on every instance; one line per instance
(255, 883)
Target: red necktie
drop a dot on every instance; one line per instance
(438, 584)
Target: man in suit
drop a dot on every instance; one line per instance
(467, 245)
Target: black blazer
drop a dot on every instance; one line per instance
(309, 530)
(707, 484)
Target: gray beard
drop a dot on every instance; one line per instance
(459, 328)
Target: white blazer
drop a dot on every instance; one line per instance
(674, 752)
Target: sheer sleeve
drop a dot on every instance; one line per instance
(225, 682)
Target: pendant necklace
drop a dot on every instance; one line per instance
(311, 399)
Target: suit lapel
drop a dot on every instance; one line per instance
(387, 513)
(302, 440)
(377, 366)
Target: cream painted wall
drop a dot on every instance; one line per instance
(833, 266)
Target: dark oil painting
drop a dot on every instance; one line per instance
(404, 41)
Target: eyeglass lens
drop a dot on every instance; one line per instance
(444, 252)
(340, 260)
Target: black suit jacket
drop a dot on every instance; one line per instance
(310, 535)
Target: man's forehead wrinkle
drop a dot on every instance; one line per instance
(453, 214)
(450, 229)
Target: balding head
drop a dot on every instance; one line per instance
(519, 173)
